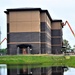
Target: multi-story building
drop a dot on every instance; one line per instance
(33, 31)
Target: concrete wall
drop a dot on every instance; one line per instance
(34, 28)
(24, 21)
(56, 25)
(23, 28)
(56, 39)
(12, 47)
(45, 33)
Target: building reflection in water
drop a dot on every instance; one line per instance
(36, 71)
(3, 69)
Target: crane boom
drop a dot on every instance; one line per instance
(3, 40)
(69, 27)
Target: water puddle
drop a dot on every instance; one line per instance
(35, 70)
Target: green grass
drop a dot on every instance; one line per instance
(24, 59)
(38, 59)
(70, 62)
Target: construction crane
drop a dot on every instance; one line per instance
(66, 22)
(3, 40)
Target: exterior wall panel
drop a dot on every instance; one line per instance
(26, 16)
(45, 18)
(36, 48)
(25, 27)
(46, 38)
(56, 25)
(45, 49)
(56, 49)
(12, 48)
(56, 41)
(45, 28)
(28, 21)
(25, 37)
(57, 32)
(45, 33)
(12, 27)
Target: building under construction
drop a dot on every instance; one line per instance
(33, 31)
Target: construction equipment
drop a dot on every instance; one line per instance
(3, 40)
(69, 27)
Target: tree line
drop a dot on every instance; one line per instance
(3, 51)
(67, 46)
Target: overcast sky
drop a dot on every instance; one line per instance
(58, 9)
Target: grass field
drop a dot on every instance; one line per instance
(38, 59)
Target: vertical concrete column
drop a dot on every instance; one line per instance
(18, 50)
(28, 49)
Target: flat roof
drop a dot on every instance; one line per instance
(31, 9)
